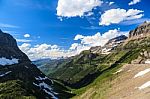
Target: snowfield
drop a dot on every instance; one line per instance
(5, 61)
(147, 61)
(40, 78)
(141, 73)
(147, 84)
(45, 87)
(1, 75)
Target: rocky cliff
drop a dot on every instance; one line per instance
(17, 69)
(141, 31)
(110, 45)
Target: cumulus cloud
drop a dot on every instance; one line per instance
(73, 8)
(27, 35)
(114, 16)
(98, 39)
(41, 51)
(134, 2)
(55, 51)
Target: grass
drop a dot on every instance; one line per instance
(100, 86)
(14, 89)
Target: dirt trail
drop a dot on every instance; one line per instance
(125, 86)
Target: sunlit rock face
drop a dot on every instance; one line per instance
(141, 31)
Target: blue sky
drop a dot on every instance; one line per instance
(45, 24)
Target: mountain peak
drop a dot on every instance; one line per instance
(7, 40)
(1, 31)
(9, 48)
(141, 31)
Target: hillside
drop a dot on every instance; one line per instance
(21, 79)
(49, 66)
(89, 70)
(128, 78)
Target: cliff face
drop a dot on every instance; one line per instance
(9, 48)
(15, 65)
(141, 31)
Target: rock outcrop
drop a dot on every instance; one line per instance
(141, 31)
(9, 48)
(110, 45)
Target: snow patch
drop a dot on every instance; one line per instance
(45, 88)
(147, 61)
(141, 73)
(5, 73)
(118, 71)
(4, 61)
(147, 84)
(40, 78)
(26, 67)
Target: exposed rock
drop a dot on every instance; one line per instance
(96, 49)
(110, 45)
(141, 31)
(9, 48)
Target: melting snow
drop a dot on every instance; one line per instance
(40, 78)
(147, 61)
(4, 61)
(5, 73)
(26, 67)
(147, 84)
(118, 71)
(141, 73)
(46, 86)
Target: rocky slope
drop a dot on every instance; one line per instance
(128, 77)
(21, 79)
(109, 46)
(141, 31)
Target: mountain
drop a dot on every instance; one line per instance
(49, 65)
(141, 31)
(110, 45)
(82, 69)
(21, 79)
(128, 77)
(95, 75)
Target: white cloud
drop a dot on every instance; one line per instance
(114, 16)
(73, 8)
(98, 39)
(44, 51)
(134, 2)
(23, 40)
(110, 3)
(2, 25)
(54, 51)
(27, 35)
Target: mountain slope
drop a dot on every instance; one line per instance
(19, 78)
(90, 74)
(49, 66)
(128, 78)
(82, 69)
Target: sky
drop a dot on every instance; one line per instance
(63, 28)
